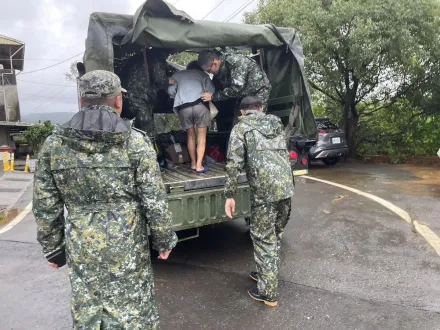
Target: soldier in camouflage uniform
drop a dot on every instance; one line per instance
(143, 82)
(107, 176)
(258, 145)
(235, 76)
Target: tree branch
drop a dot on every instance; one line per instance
(396, 97)
(339, 94)
(324, 92)
(361, 97)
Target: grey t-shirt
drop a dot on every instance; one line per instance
(189, 86)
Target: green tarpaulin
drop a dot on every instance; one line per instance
(158, 24)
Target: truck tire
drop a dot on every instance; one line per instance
(248, 221)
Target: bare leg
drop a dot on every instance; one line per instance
(192, 146)
(201, 146)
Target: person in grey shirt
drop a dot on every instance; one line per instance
(186, 87)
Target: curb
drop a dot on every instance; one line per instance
(420, 227)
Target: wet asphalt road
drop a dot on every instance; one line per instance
(414, 188)
(348, 263)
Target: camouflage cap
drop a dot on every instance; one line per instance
(99, 84)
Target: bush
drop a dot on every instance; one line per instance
(400, 132)
(37, 134)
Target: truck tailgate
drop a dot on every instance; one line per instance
(196, 200)
(183, 177)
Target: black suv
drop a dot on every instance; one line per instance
(331, 144)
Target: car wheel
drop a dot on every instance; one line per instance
(330, 161)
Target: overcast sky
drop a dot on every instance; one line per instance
(54, 30)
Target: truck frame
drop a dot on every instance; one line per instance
(196, 200)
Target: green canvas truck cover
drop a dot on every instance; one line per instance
(158, 24)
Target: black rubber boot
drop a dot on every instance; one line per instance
(253, 292)
(254, 276)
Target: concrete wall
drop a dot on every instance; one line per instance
(8, 84)
(12, 102)
(4, 135)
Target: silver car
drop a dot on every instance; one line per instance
(331, 144)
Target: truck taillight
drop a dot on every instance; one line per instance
(321, 132)
(293, 155)
(304, 161)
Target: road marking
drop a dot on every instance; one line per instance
(401, 213)
(420, 227)
(429, 235)
(19, 217)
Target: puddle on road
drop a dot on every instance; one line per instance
(7, 216)
(427, 181)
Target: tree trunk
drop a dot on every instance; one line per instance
(351, 120)
(351, 134)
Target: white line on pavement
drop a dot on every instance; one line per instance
(429, 235)
(19, 217)
(421, 228)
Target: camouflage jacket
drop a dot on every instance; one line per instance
(107, 177)
(143, 88)
(240, 76)
(258, 145)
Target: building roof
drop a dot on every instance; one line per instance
(9, 47)
(15, 124)
(4, 40)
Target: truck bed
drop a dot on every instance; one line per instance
(183, 177)
(196, 200)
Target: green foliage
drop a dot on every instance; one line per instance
(183, 58)
(362, 55)
(37, 134)
(399, 132)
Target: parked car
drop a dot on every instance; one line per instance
(331, 144)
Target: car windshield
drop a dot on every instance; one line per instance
(325, 124)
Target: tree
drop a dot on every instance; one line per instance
(73, 72)
(362, 55)
(400, 132)
(37, 134)
(183, 58)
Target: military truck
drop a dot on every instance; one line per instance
(196, 200)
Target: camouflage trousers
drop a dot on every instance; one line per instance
(266, 226)
(103, 300)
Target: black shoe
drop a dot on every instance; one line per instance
(254, 276)
(253, 292)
